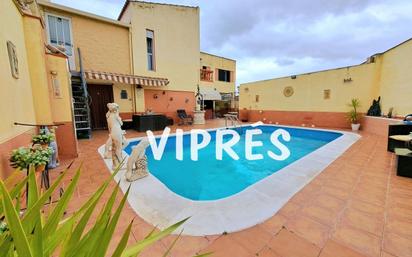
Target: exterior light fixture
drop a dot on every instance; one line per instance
(348, 78)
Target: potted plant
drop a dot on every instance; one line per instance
(353, 114)
(37, 156)
(43, 139)
(40, 157)
(390, 113)
(20, 158)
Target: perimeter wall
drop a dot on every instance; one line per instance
(320, 98)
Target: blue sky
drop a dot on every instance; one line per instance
(273, 38)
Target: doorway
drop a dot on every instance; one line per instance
(100, 96)
(209, 109)
(221, 108)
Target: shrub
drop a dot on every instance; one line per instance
(43, 139)
(353, 115)
(23, 157)
(32, 233)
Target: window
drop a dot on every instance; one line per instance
(326, 94)
(60, 36)
(206, 74)
(59, 33)
(123, 94)
(224, 75)
(150, 50)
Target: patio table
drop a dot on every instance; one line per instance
(404, 162)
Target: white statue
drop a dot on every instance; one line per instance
(53, 161)
(116, 134)
(137, 162)
(108, 146)
(113, 108)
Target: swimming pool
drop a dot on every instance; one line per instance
(265, 187)
(212, 179)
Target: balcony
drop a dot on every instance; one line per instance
(206, 75)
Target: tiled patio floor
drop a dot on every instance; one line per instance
(355, 207)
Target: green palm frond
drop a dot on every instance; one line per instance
(353, 115)
(34, 233)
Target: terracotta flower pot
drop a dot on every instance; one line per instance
(40, 168)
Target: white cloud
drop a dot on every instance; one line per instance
(107, 8)
(271, 38)
(252, 69)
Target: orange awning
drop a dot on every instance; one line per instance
(127, 79)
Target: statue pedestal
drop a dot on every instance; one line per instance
(199, 117)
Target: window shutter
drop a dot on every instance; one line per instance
(52, 29)
(67, 37)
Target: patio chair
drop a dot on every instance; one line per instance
(184, 118)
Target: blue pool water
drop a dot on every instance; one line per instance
(211, 179)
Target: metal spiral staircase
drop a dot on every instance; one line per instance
(80, 102)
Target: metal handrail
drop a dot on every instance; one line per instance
(231, 117)
(84, 85)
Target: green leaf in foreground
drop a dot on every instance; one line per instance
(172, 245)
(204, 254)
(54, 233)
(138, 247)
(16, 229)
(105, 240)
(123, 241)
(55, 217)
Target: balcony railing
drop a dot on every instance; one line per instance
(206, 75)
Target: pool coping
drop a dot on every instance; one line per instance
(161, 207)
